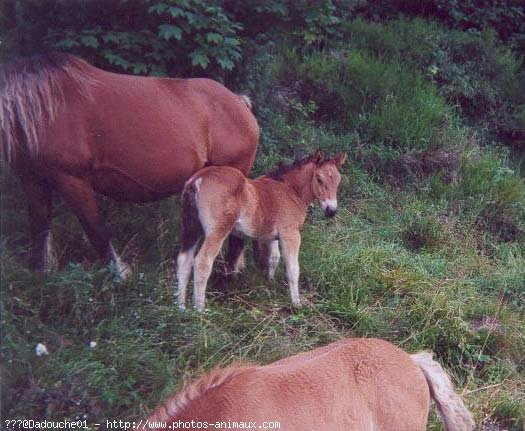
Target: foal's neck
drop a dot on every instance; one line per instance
(300, 180)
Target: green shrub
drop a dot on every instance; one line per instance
(174, 37)
(473, 71)
(389, 108)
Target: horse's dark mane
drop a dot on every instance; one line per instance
(283, 168)
(38, 63)
(31, 90)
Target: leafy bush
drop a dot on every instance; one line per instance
(144, 37)
(506, 17)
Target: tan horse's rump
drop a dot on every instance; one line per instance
(73, 128)
(350, 385)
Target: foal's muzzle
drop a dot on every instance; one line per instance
(330, 212)
(329, 207)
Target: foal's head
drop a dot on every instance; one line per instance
(326, 179)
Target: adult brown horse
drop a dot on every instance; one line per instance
(357, 384)
(70, 127)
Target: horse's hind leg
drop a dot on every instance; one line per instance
(82, 200)
(273, 258)
(290, 244)
(203, 264)
(191, 234)
(235, 256)
(40, 197)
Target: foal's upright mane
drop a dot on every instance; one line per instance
(283, 168)
(31, 91)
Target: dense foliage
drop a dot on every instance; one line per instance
(428, 250)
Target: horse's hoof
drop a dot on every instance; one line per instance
(297, 303)
(123, 271)
(202, 310)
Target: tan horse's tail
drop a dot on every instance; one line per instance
(452, 410)
(246, 100)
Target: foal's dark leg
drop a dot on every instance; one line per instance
(82, 200)
(261, 253)
(235, 255)
(40, 197)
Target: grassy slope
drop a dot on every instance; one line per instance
(411, 264)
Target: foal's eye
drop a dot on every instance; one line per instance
(319, 180)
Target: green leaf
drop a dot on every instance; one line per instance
(198, 58)
(167, 32)
(90, 41)
(110, 37)
(158, 8)
(66, 43)
(231, 41)
(225, 63)
(140, 68)
(176, 12)
(116, 60)
(214, 37)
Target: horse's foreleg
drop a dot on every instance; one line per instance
(82, 200)
(290, 244)
(39, 196)
(235, 256)
(203, 264)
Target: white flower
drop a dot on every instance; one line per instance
(92, 344)
(41, 349)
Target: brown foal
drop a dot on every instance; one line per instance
(359, 384)
(219, 200)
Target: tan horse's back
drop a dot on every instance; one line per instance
(350, 385)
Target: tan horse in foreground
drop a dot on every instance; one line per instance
(355, 384)
(217, 201)
(73, 130)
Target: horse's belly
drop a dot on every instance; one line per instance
(123, 186)
(245, 227)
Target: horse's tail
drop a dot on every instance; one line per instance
(453, 412)
(246, 100)
(192, 228)
(31, 92)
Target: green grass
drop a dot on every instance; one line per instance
(359, 273)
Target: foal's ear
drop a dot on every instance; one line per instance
(318, 157)
(339, 160)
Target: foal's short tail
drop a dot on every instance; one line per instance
(191, 226)
(452, 410)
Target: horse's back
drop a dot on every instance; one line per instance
(141, 138)
(234, 131)
(353, 384)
